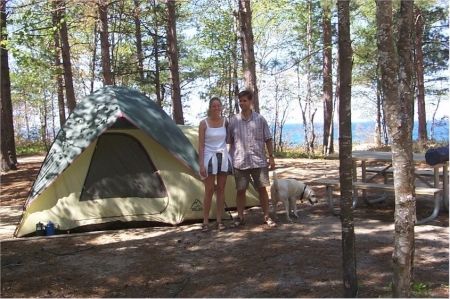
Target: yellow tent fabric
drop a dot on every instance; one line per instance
(60, 202)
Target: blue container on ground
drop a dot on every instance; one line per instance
(50, 229)
(40, 229)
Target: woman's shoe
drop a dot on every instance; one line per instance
(205, 227)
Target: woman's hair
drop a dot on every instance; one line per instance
(211, 102)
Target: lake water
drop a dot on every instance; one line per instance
(363, 132)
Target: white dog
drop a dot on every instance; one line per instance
(288, 191)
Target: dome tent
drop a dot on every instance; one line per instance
(118, 157)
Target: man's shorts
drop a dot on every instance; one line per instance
(260, 177)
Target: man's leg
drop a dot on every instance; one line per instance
(240, 203)
(264, 200)
(261, 179)
(242, 178)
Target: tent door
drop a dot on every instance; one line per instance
(121, 168)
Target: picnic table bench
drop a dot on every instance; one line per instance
(331, 184)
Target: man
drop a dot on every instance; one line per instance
(248, 132)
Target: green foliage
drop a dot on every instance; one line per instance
(420, 289)
(30, 148)
(298, 152)
(436, 42)
(206, 40)
(210, 46)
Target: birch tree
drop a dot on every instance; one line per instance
(397, 82)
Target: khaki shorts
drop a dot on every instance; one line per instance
(260, 177)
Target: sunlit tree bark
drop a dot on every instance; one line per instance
(345, 151)
(397, 82)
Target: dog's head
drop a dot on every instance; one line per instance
(310, 195)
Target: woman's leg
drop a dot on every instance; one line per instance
(209, 191)
(220, 195)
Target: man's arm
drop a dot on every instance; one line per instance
(229, 130)
(269, 146)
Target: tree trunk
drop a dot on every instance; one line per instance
(422, 118)
(345, 151)
(303, 109)
(65, 52)
(378, 127)
(43, 119)
(399, 102)
(116, 21)
(328, 148)
(234, 55)
(248, 52)
(52, 102)
(104, 42)
(405, 201)
(309, 136)
(433, 119)
(138, 36)
(94, 58)
(27, 119)
(59, 71)
(8, 146)
(159, 97)
(172, 48)
(277, 112)
(282, 122)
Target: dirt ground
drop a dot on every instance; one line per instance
(299, 259)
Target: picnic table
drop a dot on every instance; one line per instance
(421, 174)
(367, 181)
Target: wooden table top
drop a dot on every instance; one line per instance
(381, 156)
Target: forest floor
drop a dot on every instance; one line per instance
(299, 259)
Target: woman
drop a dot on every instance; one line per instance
(214, 160)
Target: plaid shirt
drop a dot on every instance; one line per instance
(248, 139)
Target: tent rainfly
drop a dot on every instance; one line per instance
(119, 157)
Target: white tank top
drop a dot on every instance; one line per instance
(215, 142)
(215, 138)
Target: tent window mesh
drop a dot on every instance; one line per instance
(120, 167)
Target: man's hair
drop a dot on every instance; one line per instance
(246, 93)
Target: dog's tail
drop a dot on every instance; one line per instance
(274, 188)
(275, 180)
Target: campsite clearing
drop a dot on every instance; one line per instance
(300, 259)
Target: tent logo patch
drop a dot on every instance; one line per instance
(197, 205)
